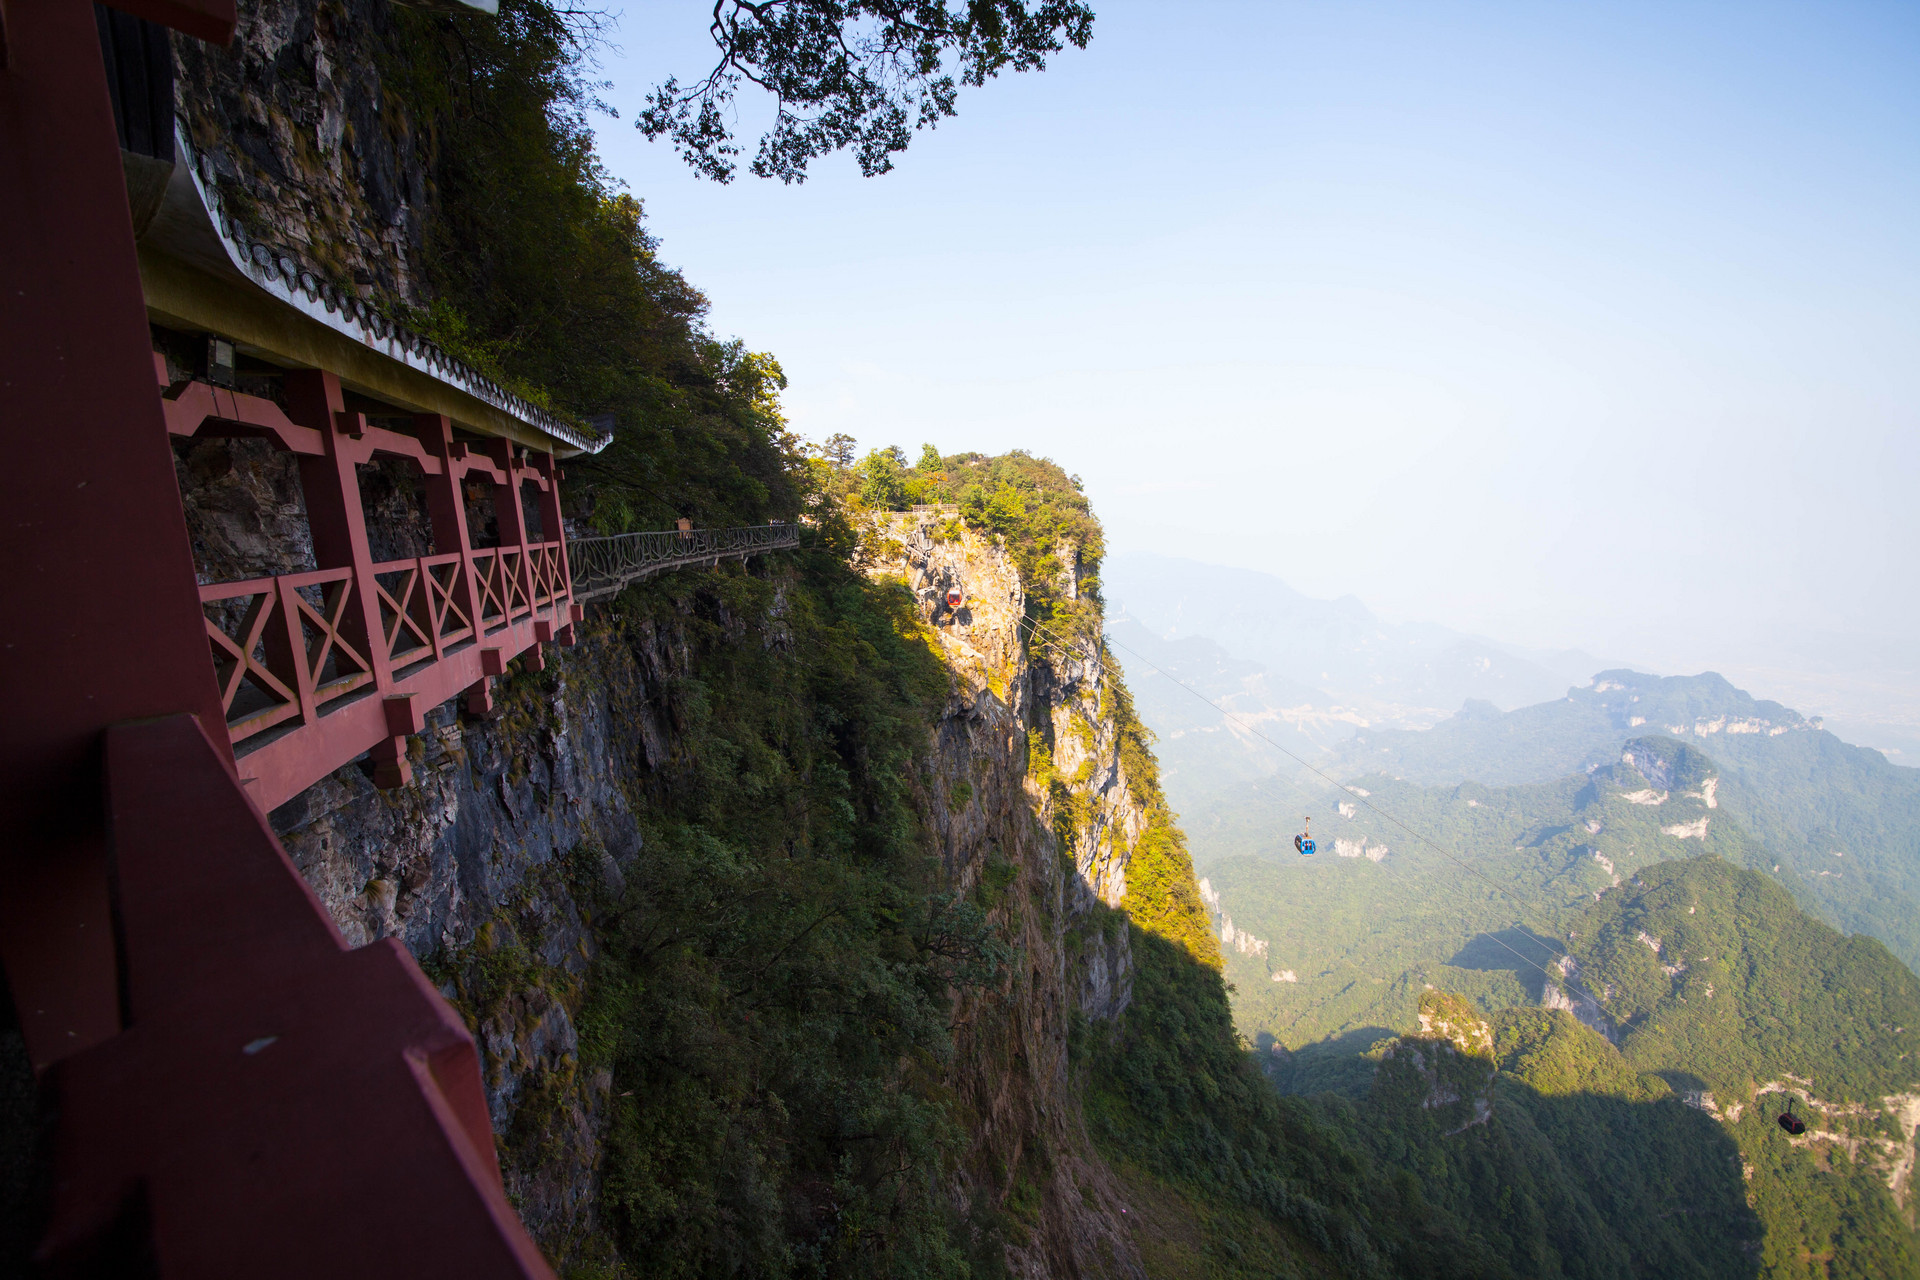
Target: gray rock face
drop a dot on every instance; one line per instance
(306, 141)
(478, 867)
(1047, 706)
(1021, 740)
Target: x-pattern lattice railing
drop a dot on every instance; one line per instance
(290, 656)
(283, 647)
(602, 566)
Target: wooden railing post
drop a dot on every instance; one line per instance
(446, 504)
(556, 531)
(511, 515)
(447, 507)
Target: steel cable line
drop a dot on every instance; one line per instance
(1565, 976)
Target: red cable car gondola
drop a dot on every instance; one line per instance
(954, 598)
(1792, 1123)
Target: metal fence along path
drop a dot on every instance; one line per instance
(602, 566)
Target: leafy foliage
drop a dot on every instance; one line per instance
(1043, 517)
(1763, 993)
(1389, 1185)
(772, 993)
(1038, 512)
(541, 271)
(865, 74)
(1163, 897)
(1744, 987)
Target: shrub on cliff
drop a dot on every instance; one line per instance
(540, 269)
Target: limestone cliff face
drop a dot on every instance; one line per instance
(1051, 706)
(1026, 797)
(1442, 1076)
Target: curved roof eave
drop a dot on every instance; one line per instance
(192, 227)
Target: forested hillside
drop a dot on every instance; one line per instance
(1706, 992)
(1838, 819)
(1841, 824)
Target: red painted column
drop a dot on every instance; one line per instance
(102, 617)
(332, 489)
(556, 531)
(279, 1105)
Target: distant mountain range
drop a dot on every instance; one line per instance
(1333, 651)
(1840, 822)
(1414, 675)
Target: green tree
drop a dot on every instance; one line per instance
(536, 268)
(866, 74)
(929, 459)
(839, 449)
(883, 482)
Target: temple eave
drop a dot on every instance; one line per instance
(180, 296)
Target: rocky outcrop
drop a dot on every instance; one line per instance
(1048, 707)
(1444, 1073)
(1570, 994)
(1881, 1137)
(1027, 792)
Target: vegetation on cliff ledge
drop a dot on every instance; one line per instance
(540, 269)
(772, 993)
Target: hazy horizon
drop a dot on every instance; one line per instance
(1571, 328)
(1856, 710)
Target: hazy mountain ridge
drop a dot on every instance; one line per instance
(1842, 820)
(1361, 926)
(1407, 674)
(1575, 731)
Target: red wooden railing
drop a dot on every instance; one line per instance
(316, 668)
(275, 655)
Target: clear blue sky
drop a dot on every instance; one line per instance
(1575, 325)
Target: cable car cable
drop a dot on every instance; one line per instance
(1410, 830)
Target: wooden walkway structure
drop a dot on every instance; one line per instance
(233, 1090)
(315, 668)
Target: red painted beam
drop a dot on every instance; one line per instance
(210, 20)
(189, 406)
(281, 769)
(104, 621)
